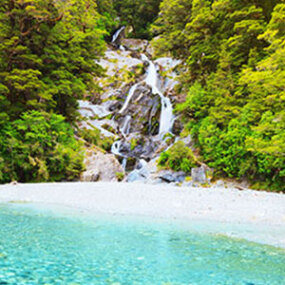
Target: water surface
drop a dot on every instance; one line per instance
(40, 247)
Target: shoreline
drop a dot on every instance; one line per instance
(254, 215)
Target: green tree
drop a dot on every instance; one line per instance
(139, 14)
(48, 58)
(48, 52)
(39, 147)
(234, 71)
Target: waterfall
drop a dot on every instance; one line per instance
(124, 163)
(125, 129)
(117, 34)
(130, 95)
(166, 116)
(116, 148)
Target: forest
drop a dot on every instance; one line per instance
(232, 80)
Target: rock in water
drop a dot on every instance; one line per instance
(101, 167)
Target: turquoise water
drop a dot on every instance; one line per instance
(45, 248)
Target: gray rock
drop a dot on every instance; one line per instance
(180, 176)
(138, 146)
(134, 176)
(171, 177)
(135, 44)
(103, 167)
(150, 50)
(141, 173)
(92, 175)
(199, 175)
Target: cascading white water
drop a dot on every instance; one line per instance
(116, 148)
(117, 33)
(130, 95)
(124, 163)
(166, 116)
(125, 129)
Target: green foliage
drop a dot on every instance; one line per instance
(138, 14)
(134, 143)
(120, 176)
(234, 54)
(39, 147)
(47, 54)
(109, 20)
(178, 157)
(94, 136)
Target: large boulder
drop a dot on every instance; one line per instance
(101, 167)
(170, 176)
(135, 44)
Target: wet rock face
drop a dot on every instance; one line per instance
(144, 109)
(134, 107)
(177, 127)
(138, 146)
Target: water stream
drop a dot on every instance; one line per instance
(125, 129)
(129, 98)
(117, 34)
(166, 115)
(146, 114)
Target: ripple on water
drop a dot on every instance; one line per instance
(43, 248)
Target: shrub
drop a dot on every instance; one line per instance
(178, 157)
(120, 176)
(93, 136)
(39, 147)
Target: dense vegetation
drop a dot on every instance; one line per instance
(234, 53)
(47, 62)
(233, 79)
(137, 15)
(178, 158)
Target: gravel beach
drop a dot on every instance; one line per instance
(262, 212)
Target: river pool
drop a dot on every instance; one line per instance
(45, 247)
